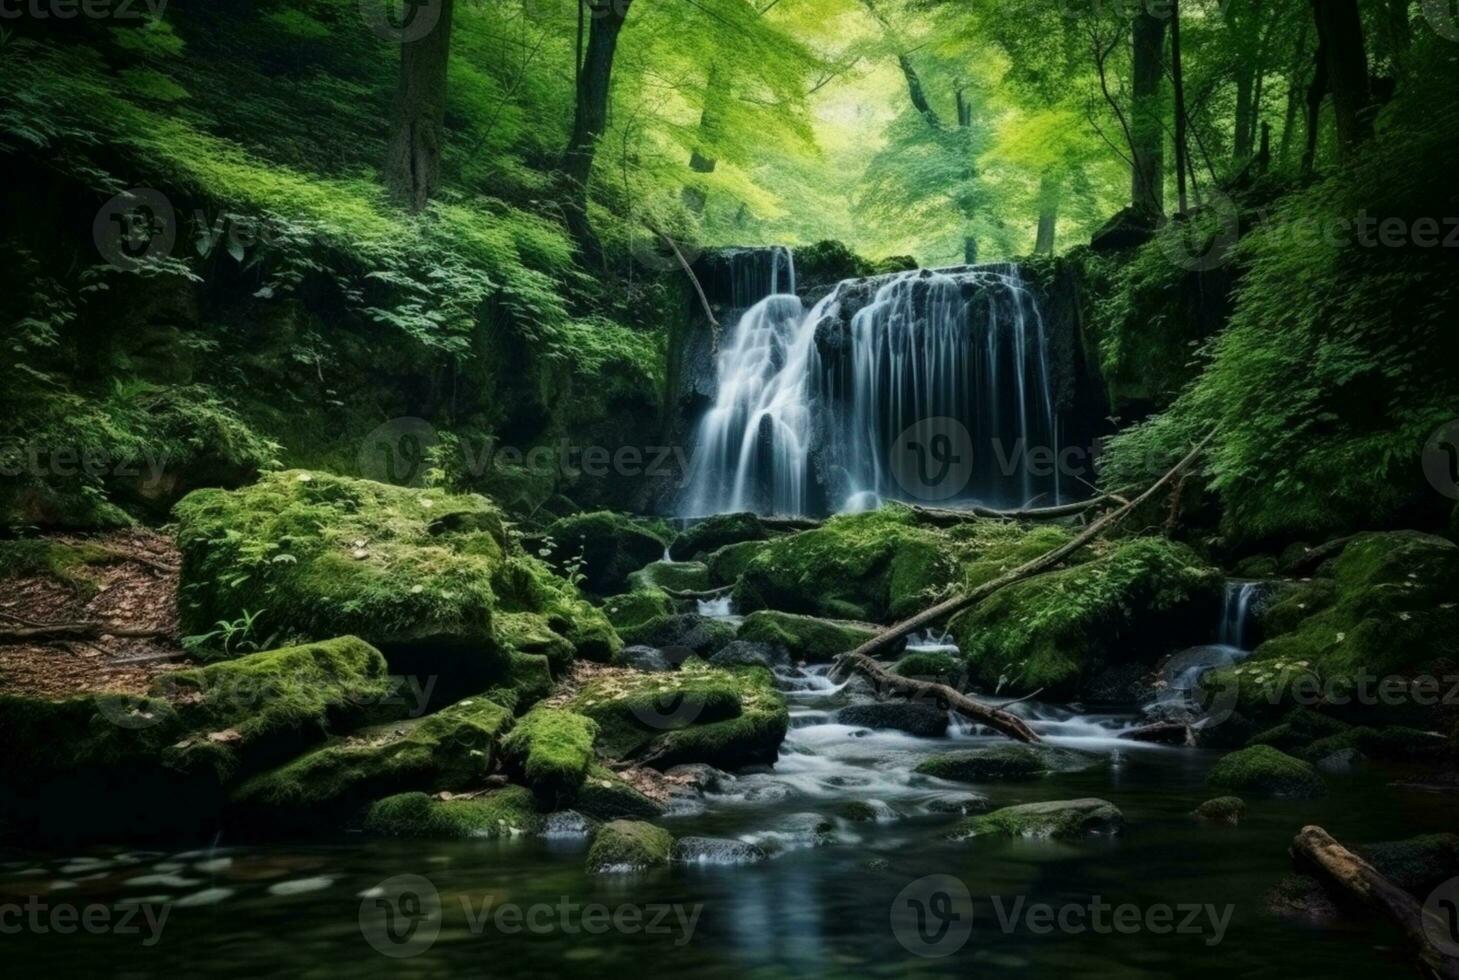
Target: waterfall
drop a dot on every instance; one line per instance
(822, 410)
(1236, 612)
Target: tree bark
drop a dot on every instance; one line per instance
(590, 118)
(1177, 75)
(417, 129)
(1049, 194)
(1340, 36)
(1147, 134)
(701, 158)
(1359, 879)
(1316, 92)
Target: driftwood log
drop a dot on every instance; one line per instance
(861, 659)
(1355, 877)
(953, 516)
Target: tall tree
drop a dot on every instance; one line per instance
(1147, 129)
(590, 117)
(1340, 39)
(417, 128)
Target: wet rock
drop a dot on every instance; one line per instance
(1058, 819)
(1222, 809)
(715, 850)
(1264, 771)
(1341, 762)
(1004, 762)
(641, 657)
(610, 546)
(743, 653)
(568, 825)
(965, 806)
(629, 845)
(681, 634)
(699, 777)
(675, 576)
(922, 720)
(716, 532)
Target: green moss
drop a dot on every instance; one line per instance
(714, 533)
(71, 564)
(725, 717)
(805, 637)
(606, 547)
(1392, 743)
(604, 796)
(727, 564)
(1003, 762)
(629, 845)
(1265, 771)
(1059, 820)
(636, 609)
(550, 750)
(1222, 809)
(454, 749)
(941, 667)
(1300, 728)
(1141, 598)
(1419, 864)
(697, 634)
(676, 576)
(501, 813)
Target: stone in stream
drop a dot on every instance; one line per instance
(1003, 762)
(1264, 771)
(1222, 809)
(715, 850)
(922, 720)
(745, 653)
(629, 845)
(964, 806)
(1057, 819)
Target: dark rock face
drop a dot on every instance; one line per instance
(923, 720)
(1128, 228)
(743, 653)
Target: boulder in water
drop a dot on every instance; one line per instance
(604, 795)
(1222, 809)
(1264, 771)
(1003, 762)
(715, 850)
(500, 813)
(743, 653)
(550, 750)
(965, 805)
(629, 845)
(1059, 819)
(922, 720)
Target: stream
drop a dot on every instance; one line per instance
(821, 904)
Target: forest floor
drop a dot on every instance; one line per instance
(130, 584)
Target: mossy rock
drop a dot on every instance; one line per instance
(453, 749)
(727, 564)
(629, 845)
(1058, 631)
(605, 796)
(1393, 743)
(675, 576)
(417, 573)
(689, 633)
(943, 668)
(632, 610)
(726, 717)
(1056, 820)
(1385, 608)
(1002, 762)
(1299, 729)
(507, 812)
(921, 720)
(1222, 809)
(1264, 771)
(609, 546)
(71, 564)
(1418, 864)
(806, 637)
(714, 533)
(871, 567)
(551, 750)
(100, 763)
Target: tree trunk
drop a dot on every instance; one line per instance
(1241, 138)
(1177, 75)
(1147, 134)
(1340, 35)
(1048, 215)
(1397, 35)
(970, 250)
(417, 127)
(590, 119)
(1316, 92)
(701, 159)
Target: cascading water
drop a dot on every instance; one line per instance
(1236, 612)
(810, 407)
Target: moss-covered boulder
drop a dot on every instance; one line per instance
(1264, 771)
(1418, 864)
(1060, 630)
(1001, 762)
(806, 637)
(506, 812)
(1058, 820)
(921, 720)
(872, 567)
(716, 532)
(420, 574)
(726, 717)
(687, 633)
(1367, 639)
(1222, 809)
(727, 564)
(629, 845)
(453, 749)
(603, 795)
(604, 547)
(101, 763)
(928, 665)
(672, 576)
(551, 750)
(631, 610)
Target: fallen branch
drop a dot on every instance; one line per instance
(698, 289)
(1359, 879)
(952, 516)
(1161, 733)
(76, 631)
(860, 660)
(696, 593)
